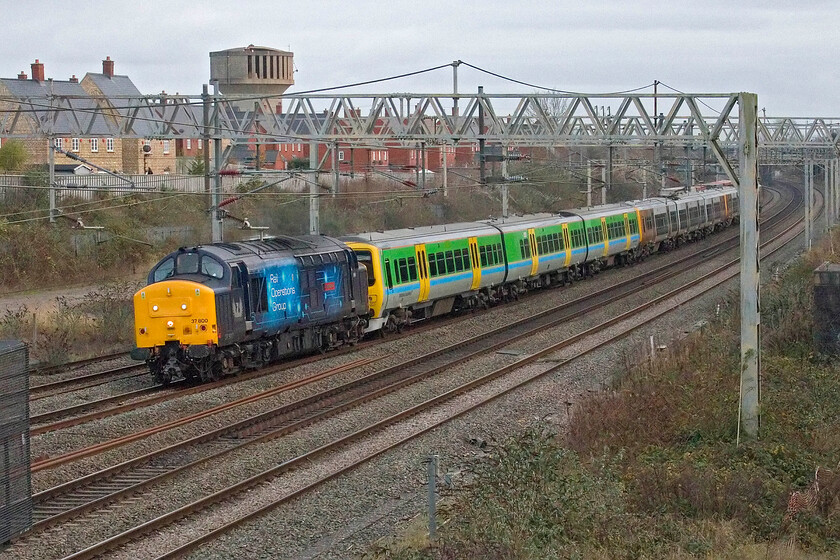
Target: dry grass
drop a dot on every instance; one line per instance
(650, 468)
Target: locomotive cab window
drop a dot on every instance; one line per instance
(187, 263)
(164, 270)
(212, 267)
(367, 260)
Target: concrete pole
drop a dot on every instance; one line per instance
(589, 184)
(336, 174)
(423, 166)
(504, 185)
(482, 171)
(445, 149)
(604, 185)
(53, 209)
(829, 208)
(688, 178)
(832, 181)
(432, 476)
(455, 64)
(216, 224)
(809, 181)
(750, 307)
(314, 200)
(205, 135)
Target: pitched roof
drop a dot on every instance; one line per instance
(31, 94)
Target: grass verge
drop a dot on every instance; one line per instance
(651, 469)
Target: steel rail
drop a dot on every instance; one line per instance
(729, 270)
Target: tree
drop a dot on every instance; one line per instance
(298, 163)
(13, 155)
(196, 166)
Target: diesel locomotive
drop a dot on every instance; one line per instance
(215, 309)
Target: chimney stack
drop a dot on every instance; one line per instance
(38, 71)
(74, 79)
(108, 67)
(22, 76)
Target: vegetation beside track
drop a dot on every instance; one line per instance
(651, 469)
(140, 228)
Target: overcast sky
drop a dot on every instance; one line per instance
(786, 51)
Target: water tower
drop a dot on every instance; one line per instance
(253, 71)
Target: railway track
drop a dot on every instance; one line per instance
(86, 381)
(78, 413)
(110, 485)
(336, 456)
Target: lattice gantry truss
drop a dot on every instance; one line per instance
(407, 119)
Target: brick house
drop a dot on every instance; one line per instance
(100, 148)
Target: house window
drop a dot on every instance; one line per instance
(94, 144)
(109, 144)
(189, 143)
(58, 143)
(75, 145)
(200, 143)
(299, 147)
(166, 146)
(340, 155)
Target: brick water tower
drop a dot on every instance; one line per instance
(253, 71)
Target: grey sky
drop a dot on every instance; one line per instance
(784, 51)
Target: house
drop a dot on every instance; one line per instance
(136, 155)
(94, 93)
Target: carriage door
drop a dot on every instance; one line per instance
(627, 231)
(535, 258)
(567, 243)
(422, 272)
(476, 262)
(240, 306)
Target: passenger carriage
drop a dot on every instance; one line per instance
(417, 273)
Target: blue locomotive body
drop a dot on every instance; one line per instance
(212, 310)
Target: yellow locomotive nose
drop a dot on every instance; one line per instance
(175, 311)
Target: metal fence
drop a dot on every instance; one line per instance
(102, 185)
(15, 481)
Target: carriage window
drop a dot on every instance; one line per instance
(412, 269)
(450, 262)
(465, 259)
(165, 269)
(525, 248)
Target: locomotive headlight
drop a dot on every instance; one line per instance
(154, 308)
(184, 306)
(170, 324)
